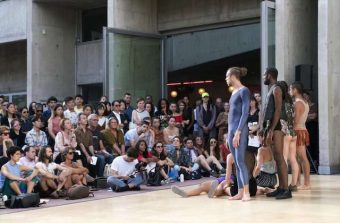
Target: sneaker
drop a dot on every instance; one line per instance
(274, 193)
(178, 191)
(214, 174)
(293, 188)
(284, 194)
(212, 189)
(222, 171)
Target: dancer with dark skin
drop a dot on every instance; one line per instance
(273, 134)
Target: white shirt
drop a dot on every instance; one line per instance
(132, 135)
(50, 168)
(123, 167)
(117, 116)
(73, 116)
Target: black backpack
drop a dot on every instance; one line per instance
(23, 201)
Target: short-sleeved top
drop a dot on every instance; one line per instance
(109, 139)
(84, 137)
(96, 137)
(123, 167)
(73, 116)
(132, 135)
(51, 167)
(26, 162)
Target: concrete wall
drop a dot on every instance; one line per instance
(13, 67)
(296, 39)
(90, 66)
(51, 64)
(133, 15)
(329, 79)
(190, 49)
(12, 20)
(178, 14)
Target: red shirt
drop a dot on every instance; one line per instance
(140, 156)
(225, 151)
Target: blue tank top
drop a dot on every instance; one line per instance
(13, 169)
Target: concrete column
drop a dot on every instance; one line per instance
(329, 79)
(51, 38)
(296, 41)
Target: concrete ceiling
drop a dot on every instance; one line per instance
(82, 4)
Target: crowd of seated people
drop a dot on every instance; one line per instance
(73, 142)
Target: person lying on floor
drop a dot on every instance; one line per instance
(14, 183)
(124, 172)
(221, 186)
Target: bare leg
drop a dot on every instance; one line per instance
(301, 151)
(286, 143)
(230, 162)
(30, 186)
(15, 186)
(212, 159)
(293, 162)
(277, 149)
(203, 187)
(203, 162)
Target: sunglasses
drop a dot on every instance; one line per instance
(5, 133)
(70, 153)
(159, 146)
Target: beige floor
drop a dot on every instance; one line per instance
(322, 204)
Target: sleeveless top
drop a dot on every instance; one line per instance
(302, 124)
(13, 169)
(269, 107)
(142, 115)
(268, 167)
(56, 125)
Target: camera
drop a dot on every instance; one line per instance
(140, 166)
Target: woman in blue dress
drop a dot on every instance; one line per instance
(238, 129)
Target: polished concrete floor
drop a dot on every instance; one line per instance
(321, 204)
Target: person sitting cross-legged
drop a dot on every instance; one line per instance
(14, 183)
(122, 172)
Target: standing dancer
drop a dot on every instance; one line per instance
(273, 131)
(238, 129)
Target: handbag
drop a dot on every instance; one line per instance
(78, 192)
(154, 177)
(24, 201)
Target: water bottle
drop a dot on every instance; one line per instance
(181, 177)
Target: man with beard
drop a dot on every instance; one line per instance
(50, 183)
(272, 128)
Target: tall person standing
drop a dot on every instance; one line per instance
(238, 129)
(273, 131)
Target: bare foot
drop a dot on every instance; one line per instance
(246, 197)
(236, 197)
(304, 187)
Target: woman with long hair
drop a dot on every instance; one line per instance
(238, 130)
(149, 107)
(9, 116)
(171, 131)
(54, 123)
(289, 139)
(163, 162)
(102, 119)
(79, 172)
(139, 113)
(187, 117)
(213, 154)
(64, 138)
(221, 123)
(16, 134)
(163, 112)
(156, 128)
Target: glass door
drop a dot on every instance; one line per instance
(134, 64)
(267, 39)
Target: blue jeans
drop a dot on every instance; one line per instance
(102, 160)
(114, 181)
